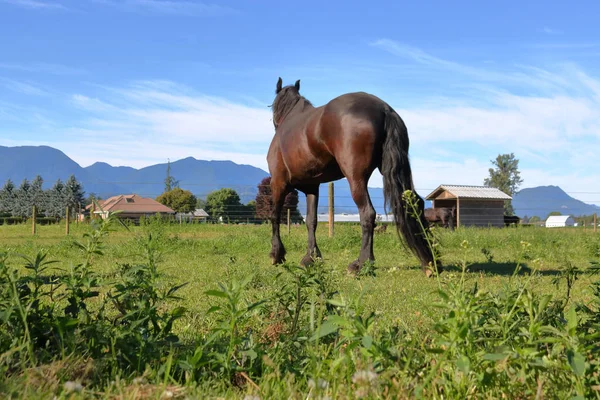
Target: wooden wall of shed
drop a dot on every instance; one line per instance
(481, 212)
(444, 203)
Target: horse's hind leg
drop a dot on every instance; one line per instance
(312, 203)
(361, 197)
(278, 192)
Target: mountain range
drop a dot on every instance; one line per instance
(201, 177)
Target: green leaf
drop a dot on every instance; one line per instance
(463, 364)
(577, 362)
(216, 293)
(494, 356)
(367, 341)
(572, 320)
(178, 312)
(325, 329)
(443, 295)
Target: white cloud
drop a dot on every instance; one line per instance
(169, 7)
(49, 68)
(550, 31)
(22, 87)
(36, 4)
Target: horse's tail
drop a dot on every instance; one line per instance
(397, 178)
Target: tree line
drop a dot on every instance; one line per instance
(52, 203)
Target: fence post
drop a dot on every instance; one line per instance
(33, 218)
(331, 221)
(289, 221)
(67, 222)
(595, 223)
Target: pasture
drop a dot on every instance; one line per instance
(500, 320)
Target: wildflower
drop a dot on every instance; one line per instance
(364, 376)
(465, 244)
(365, 380)
(71, 387)
(321, 384)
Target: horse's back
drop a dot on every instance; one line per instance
(357, 103)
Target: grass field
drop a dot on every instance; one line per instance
(253, 353)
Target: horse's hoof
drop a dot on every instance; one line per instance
(307, 261)
(354, 267)
(277, 261)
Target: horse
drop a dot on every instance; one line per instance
(349, 137)
(511, 220)
(443, 215)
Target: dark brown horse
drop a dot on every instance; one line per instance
(348, 137)
(443, 215)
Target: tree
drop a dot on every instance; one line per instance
(170, 182)
(7, 198)
(37, 195)
(74, 195)
(179, 200)
(23, 203)
(534, 219)
(200, 203)
(505, 177)
(264, 202)
(91, 198)
(553, 213)
(56, 200)
(224, 203)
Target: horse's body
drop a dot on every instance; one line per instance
(442, 215)
(348, 137)
(511, 220)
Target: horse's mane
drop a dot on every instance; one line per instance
(286, 100)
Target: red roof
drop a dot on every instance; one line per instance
(132, 203)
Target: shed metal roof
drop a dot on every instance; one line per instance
(558, 219)
(469, 192)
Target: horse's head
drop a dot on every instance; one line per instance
(285, 99)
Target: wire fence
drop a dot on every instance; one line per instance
(345, 210)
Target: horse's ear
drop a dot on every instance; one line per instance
(279, 85)
(297, 84)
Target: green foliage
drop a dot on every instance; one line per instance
(7, 198)
(295, 332)
(225, 204)
(505, 176)
(179, 200)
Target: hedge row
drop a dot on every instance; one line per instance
(20, 220)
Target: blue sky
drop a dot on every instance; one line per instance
(134, 82)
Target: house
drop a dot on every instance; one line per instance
(558, 221)
(197, 215)
(475, 205)
(131, 207)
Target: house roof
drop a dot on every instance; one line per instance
(558, 219)
(468, 192)
(199, 212)
(132, 203)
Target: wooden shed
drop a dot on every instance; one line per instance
(475, 205)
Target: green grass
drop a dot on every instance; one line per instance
(398, 294)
